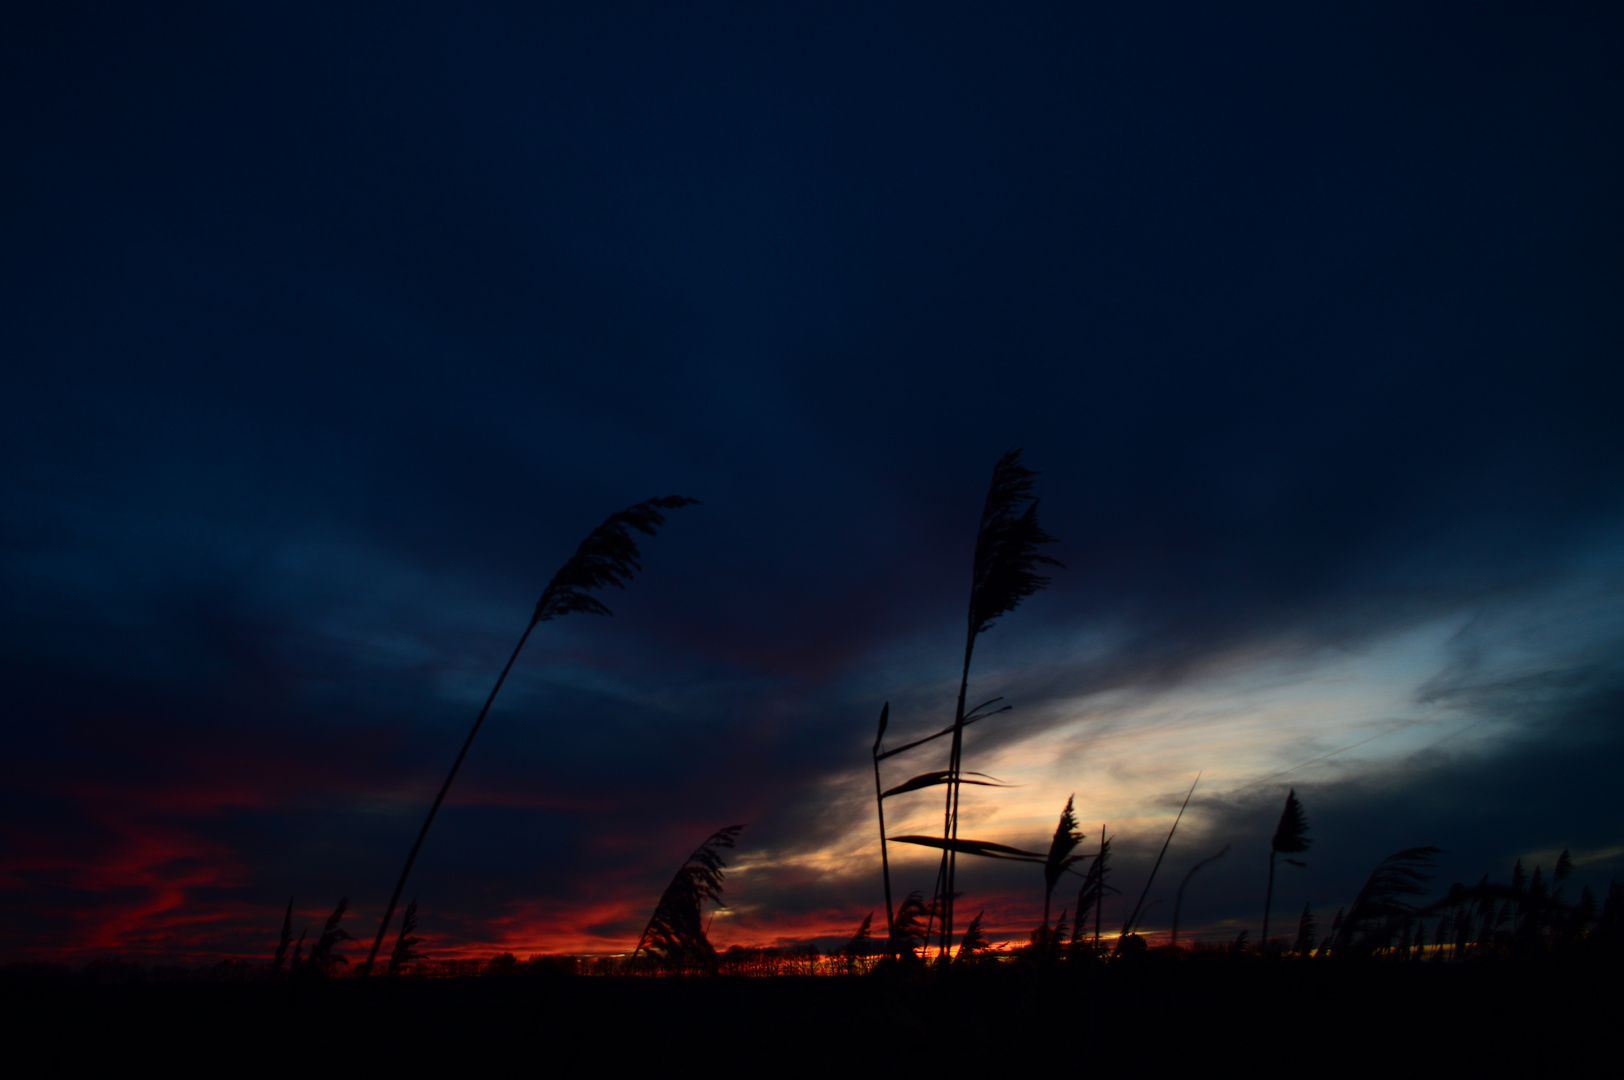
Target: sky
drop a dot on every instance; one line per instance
(330, 332)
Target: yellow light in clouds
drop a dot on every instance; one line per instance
(1289, 714)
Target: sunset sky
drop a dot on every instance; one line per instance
(331, 331)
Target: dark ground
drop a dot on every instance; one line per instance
(1225, 1016)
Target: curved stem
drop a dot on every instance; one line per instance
(389, 912)
(1127, 927)
(1178, 901)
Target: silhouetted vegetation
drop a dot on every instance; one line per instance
(405, 953)
(1290, 838)
(1465, 957)
(607, 557)
(675, 937)
(1003, 573)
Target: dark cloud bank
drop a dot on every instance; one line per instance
(333, 333)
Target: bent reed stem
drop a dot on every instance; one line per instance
(400, 886)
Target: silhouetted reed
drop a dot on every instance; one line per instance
(1139, 906)
(674, 935)
(1290, 838)
(405, 951)
(861, 945)
(1307, 934)
(1059, 860)
(286, 937)
(1091, 897)
(1380, 905)
(909, 930)
(973, 944)
(879, 803)
(322, 959)
(1003, 573)
(607, 557)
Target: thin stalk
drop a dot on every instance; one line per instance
(950, 827)
(948, 730)
(1044, 940)
(1127, 927)
(885, 862)
(1099, 898)
(389, 912)
(1268, 898)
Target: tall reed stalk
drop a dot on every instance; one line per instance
(1003, 573)
(879, 802)
(1059, 860)
(1290, 837)
(608, 556)
(1138, 908)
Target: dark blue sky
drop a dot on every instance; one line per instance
(331, 333)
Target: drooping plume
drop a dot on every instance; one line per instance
(405, 951)
(1006, 559)
(675, 933)
(608, 556)
(1003, 572)
(1060, 858)
(1291, 835)
(1381, 901)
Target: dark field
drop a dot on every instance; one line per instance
(1223, 1014)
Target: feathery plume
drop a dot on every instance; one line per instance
(322, 959)
(973, 943)
(1290, 837)
(674, 934)
(287, 937)
(1306, 933)
(1060, 858)
(1399, 875)
(1004, 571)
(608, 556)
(405, 951)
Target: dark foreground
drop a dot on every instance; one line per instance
(1145, 1019)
